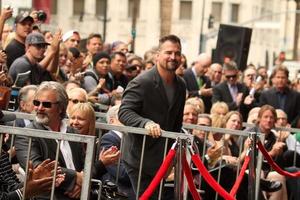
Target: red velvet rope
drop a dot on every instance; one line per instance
(209, 179)
(189, 177)
(240, 177)
(159, 175)
(274, 165)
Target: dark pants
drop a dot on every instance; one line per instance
(133, 174)
(293, 184)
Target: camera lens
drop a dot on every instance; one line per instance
(41, 16)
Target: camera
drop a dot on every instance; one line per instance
(41, 15)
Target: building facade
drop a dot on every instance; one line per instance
(273, 27)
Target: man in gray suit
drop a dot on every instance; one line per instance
(154, 101)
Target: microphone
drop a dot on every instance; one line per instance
(252, 91)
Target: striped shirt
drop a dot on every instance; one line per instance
(9, 183)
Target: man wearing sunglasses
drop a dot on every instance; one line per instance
(230, 91)
(50, 103)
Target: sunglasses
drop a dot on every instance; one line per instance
(45, 104)
(75, 101)
(231, 76)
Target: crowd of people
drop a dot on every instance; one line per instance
(56, 79)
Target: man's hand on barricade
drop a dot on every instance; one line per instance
(109, 156)
(277, 149)
(153, 129)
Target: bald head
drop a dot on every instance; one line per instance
(202, 63)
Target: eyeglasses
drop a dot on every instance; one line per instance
(75, 101)
(45, 104)
(231, 76)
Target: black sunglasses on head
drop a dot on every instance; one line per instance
(45, 104)
(231, 76)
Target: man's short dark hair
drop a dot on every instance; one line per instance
(171, 38)
(114, 54)
(93, 35)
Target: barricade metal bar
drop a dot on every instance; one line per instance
(217, 130)
(162, 181)
(1, 142)
(11, 146)
(89, 140)
(88, 164)
(258, 168)
(119, 160)
(27, 166)
(178, 171)
(21, 115)
(141, 131)
(55, 169)
(252, 167)
(141, 167)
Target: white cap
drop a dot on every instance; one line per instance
(68, 34)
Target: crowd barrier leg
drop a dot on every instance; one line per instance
(161, 185)
(252, 167)
(179, 171)
(141, 168)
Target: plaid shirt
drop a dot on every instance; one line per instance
(9, 183)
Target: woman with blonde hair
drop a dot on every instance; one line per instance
(82, 118)
(219, 108)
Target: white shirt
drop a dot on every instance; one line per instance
(65, 148)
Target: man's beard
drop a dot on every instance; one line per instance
(42, 118)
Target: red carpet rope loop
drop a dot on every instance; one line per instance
(159, 175)
(274, 165)
(189, 177)
(240, 177)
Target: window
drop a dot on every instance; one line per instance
(216, 11)
(78, 7)
(185, 11)
(131, 5)
(53, 7)
(235, 13)
(100, 7)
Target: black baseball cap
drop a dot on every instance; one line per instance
(23, 17)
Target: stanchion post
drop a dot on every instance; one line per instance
(179, 171)
(252, 166)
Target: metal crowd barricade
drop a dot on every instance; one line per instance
(168, 135)
(30, 133)
(255, 164)
(295, 147)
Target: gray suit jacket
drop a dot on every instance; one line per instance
(145, 99)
